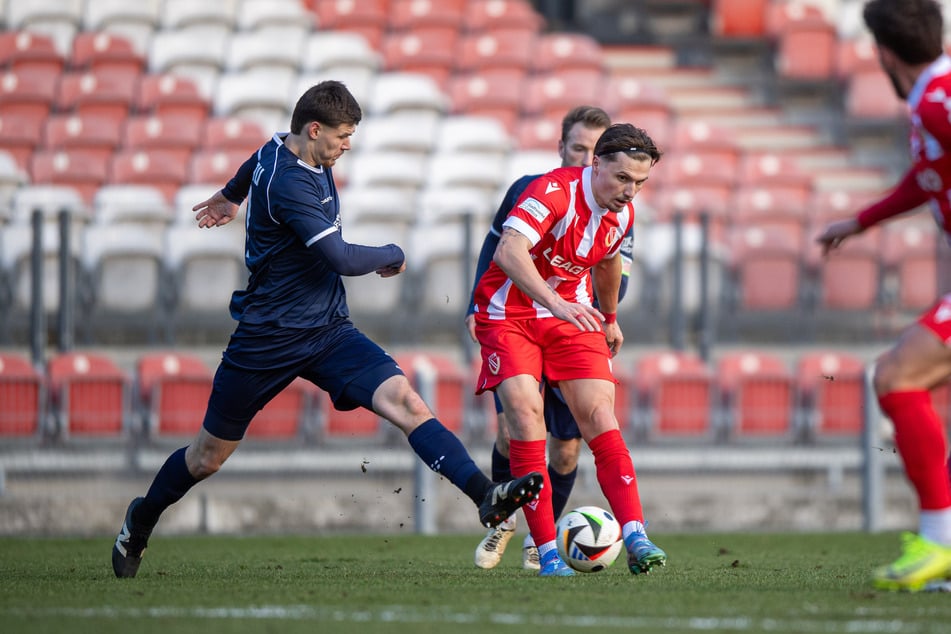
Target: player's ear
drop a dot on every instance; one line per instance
(313, 129)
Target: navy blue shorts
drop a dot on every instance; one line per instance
(558, 419)
(260, 361)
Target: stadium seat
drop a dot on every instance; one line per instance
(81, 170)
(767, 268)
(28, 94)
(339, 50)
(190, 258)
(373, 299)
(856, 55)
(23, 52)
(673, 397)
(375, 169)
(12, 176)
(756, 395)
(18, 135)
(121, 293)
(461, 133)
(161, 169)
(359, 82)
(629, 92)
(848, 278)
(161, 93)
(538, 132)
(199, 56)
(57, 19)
(450, 204)
(102, 93)
(261, 96)
(441, 272)
(265, 50)
(356, 425)
(500, 48)
(831, 394)
(190, 195)
(233, 133)
(136, 205)
(363, 205)
(710, 167)
(806, 49)
(786, 208)
(769, 168)
(489, 15)
(522, 162)
(286, 416)
(92, 133)
(452, 387)
(430, 51)
(413, 15)
(493, 93)
(287, 17)
(173, 389)
(135, 21)
(174, 134)
(739, 18)
(22, 392)
(559, 52)
(367, 17)
(50, 201)
(557, 92)
(215, 166)
(95, 52)
(89, 396)
(392, 92)
(187, 15)
(910, 255)
(466, 169)
(870, 96)
(407, 131)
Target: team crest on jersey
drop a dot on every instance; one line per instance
(612, 237)
(537, 210)
(495, 364)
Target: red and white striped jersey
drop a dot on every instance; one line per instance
(930, 103)
(569, 232)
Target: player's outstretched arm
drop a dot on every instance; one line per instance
(216, 211)
(836, 232)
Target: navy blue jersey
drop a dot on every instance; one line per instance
(495, 233)
(294, 249)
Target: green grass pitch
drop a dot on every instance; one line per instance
(413, 584)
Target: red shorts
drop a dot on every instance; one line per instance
(551, 347)
(938, 319)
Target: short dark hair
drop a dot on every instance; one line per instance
(328, 103)
(912, 29)
(624, 137)
(590, 116)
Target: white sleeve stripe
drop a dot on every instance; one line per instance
(320, 235)
(513, 222)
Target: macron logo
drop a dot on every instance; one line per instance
(627, 479)
(551, 187)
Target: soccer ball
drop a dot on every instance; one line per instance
(589, 539)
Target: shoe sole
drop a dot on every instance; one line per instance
(645, 566)
(124, 566)
(516, 500)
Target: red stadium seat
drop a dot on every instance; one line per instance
(848, 278)
(767, 267)
(501, 48)
(107, 52)
(176, 134)
(173, 390)
(412, 15)
(83, 171)
(807, 49)
(756, 392)
(452, 386)
(352, 425)
(89, 395)
(27, 52)
(870, 95)
(627, 91)
(430, 51)
(215, 166)
(910, 254)
(495, 93)
(831, 389)
(674, 396)
(158, 168)
(367, 17)
(769, 168)
(711, 167)
(286, 415)
(489, 15)
(557, 52)
(103, 93)
(168, 94)
(856, 55)
(538, 132)
(28, 94)
(232, 133)
(557, 92)
(22, 394)
(92, 133)
(691, 200)
(18, 135)
(739, 18)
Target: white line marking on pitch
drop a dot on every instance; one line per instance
(398, 614)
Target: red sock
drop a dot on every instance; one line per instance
(923, 445)
(616, 475)
(526, 456)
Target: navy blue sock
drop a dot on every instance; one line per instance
(443, 453)
(171, 483)
(501, 471)
(561, 486)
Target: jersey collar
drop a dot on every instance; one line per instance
(589, 193)
(941, 66)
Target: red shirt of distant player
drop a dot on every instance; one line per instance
(569, 232)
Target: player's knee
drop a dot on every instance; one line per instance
(203, 464)
(564, 455)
